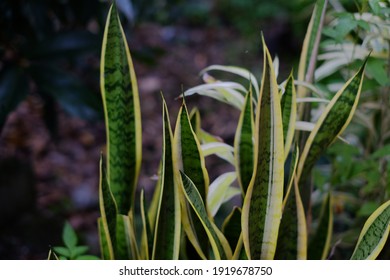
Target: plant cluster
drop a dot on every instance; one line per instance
(276, 145)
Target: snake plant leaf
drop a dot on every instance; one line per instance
(108, 212)
(218, 189)
(225, 92)
(237, 71)
(243, 144)
(374, 234)
(153, 207)
(125, 247)
(262, 208)
(195, 121)
(219, 244)
(291, 174)
(292, 241)
(332, 122)
(310, 46)
(122, 113)
(189, 152)
(231, 228)
(289, 113)
(105, 249)
(168, 226)
(189, 158)
(319, 244)
(147, 235)
(221, 150)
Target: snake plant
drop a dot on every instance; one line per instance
(271, 166)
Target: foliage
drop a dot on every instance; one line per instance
(41, 44)
(358, 170)
(180, 220)
(71, 250)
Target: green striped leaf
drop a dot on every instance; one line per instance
(108, 213)
(332, 122)
(262, 206)
(189, 158)
(168, 226)
(125, 247)
(308, 59)
(243, 144)
(289, 113)
(292, 241)
(122, 113)
(219, 244)
(319, 245)
(189, 152)
(105, 249)
(291, 174)
(374, 234)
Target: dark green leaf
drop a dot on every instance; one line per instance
(74, 97)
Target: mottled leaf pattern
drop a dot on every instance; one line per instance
(262, 207)
(374, 234)
(218, 242)
(243, 144)
(167, 231)
(122, 113)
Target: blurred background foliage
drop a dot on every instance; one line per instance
(50, 52)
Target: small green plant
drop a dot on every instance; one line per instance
(71, 250)
(275, 218)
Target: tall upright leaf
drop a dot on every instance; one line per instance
(292, 241)
(108, 210)
(289, 113)
(168, 226)
(243, 144)
(374, 234)
(189, 158)
(262, 207)
(122, 113)
(310, 46)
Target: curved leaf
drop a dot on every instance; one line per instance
(218, 190)
(219, 244)
(374, 234)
